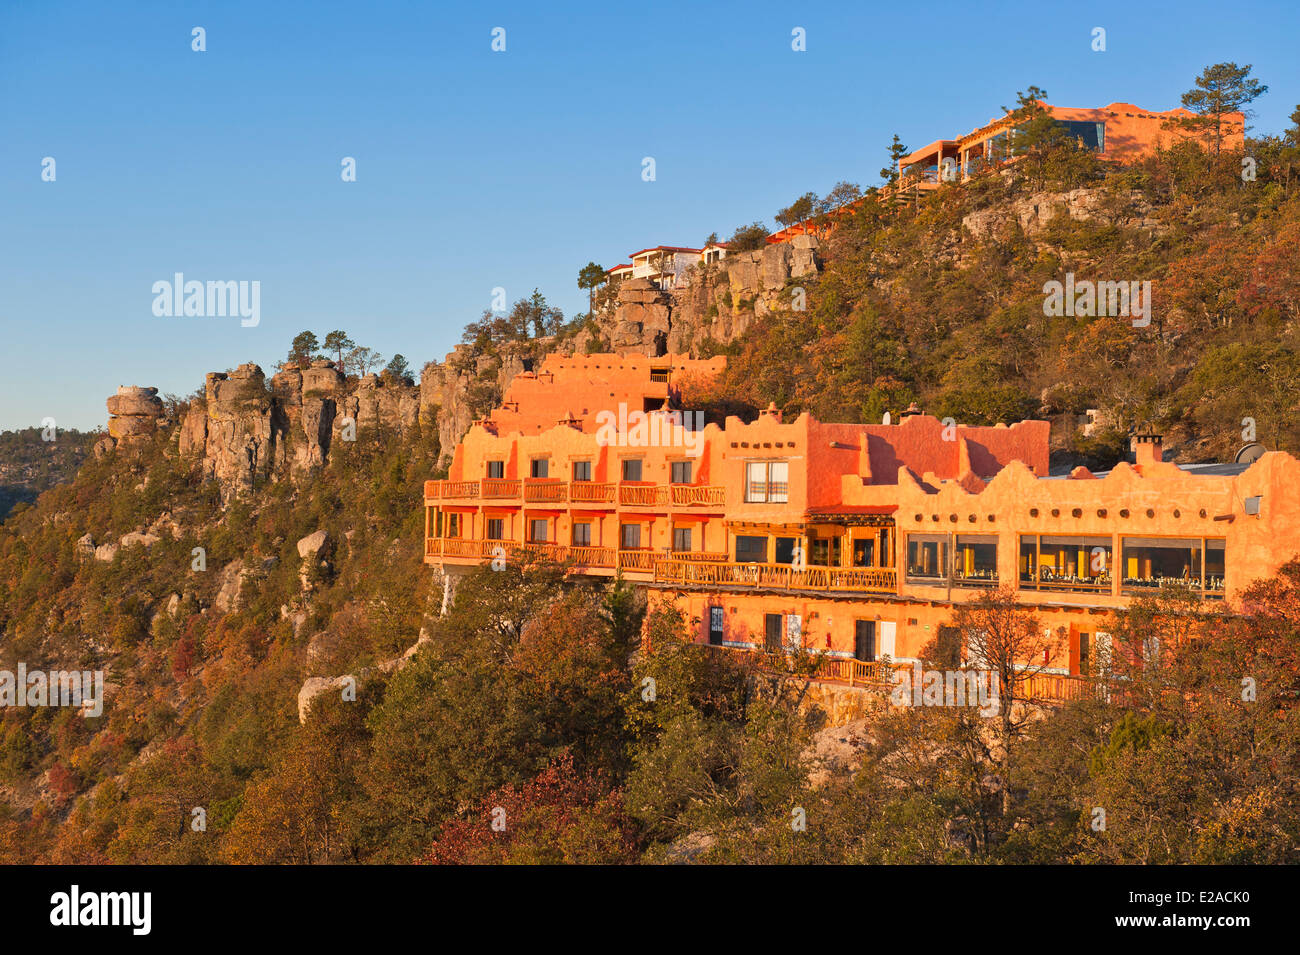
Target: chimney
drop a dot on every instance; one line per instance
(1147, 449)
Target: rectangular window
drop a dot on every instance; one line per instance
(927, 557)
(681, 472)
(784, 550)
(1214, 568)
(582, 535)
(715, 626)
(681, 538)
(975, 561)
(496, 469)
(453, 525)
(630, 536)
(539, 468)
(632, 469)
(582, 470)
(767, 482)
(496, 529)
(824, 552)
(750, 549)
(1154, 562)
(864, 553)
(1077, 564)
(537, 530)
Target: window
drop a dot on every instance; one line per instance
(825, 551)
(681, 538)
(751, 550)
(927, 557)
(496, 469)
(630, 536)
(715, 625)
(1153, 562)
(785, 550)
(681, 472)
(537, 530)
(1079, 564)
(539, 468)
(767, 482)
(864, 553)
(582, 534)
(772, 632)
(454, 525)
(1090, 135)
(632, 469)
(496, 529)
(975, 561)
(582, 470)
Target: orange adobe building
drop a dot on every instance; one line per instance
(852, 540)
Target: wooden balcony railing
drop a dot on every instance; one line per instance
(674, 570)
(636, 560)
(459, 489)
(585, 492)
(690, 495)
(643, 495)
(432, 546)
(432, 490)
(500, 487)
(580, 555)
(545, 491)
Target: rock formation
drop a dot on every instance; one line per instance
(135, 412)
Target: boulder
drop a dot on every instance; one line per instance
(313, 544)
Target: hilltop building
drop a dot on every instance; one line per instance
(854, 540)
(666, 265)
(1120, 133)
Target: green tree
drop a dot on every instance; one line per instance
(1220, 89)
(590, 277)
(747, 238)
(303, 349)
(397, 369)
(896, 152)
(336, 342)
(799, 210)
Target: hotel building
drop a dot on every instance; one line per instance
(853, 540)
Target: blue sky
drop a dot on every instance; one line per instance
(477, 169)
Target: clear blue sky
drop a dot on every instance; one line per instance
(477, 169)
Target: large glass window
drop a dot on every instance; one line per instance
(1052, 562)
(927, 557)
(767, 482)
(751, 549)
(975, 561)
(824, 552)
(1154, 562)
(784, 550)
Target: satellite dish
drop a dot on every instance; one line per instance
(1250, 452)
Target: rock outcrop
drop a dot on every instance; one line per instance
(247, 430)
(135, 413)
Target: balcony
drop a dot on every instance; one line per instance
(710, 573)
(586, 492)
(639, 561)
(545, 491)
(555, 491)
(465, 548)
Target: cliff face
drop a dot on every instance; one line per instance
(718, 303)
(247, 431)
